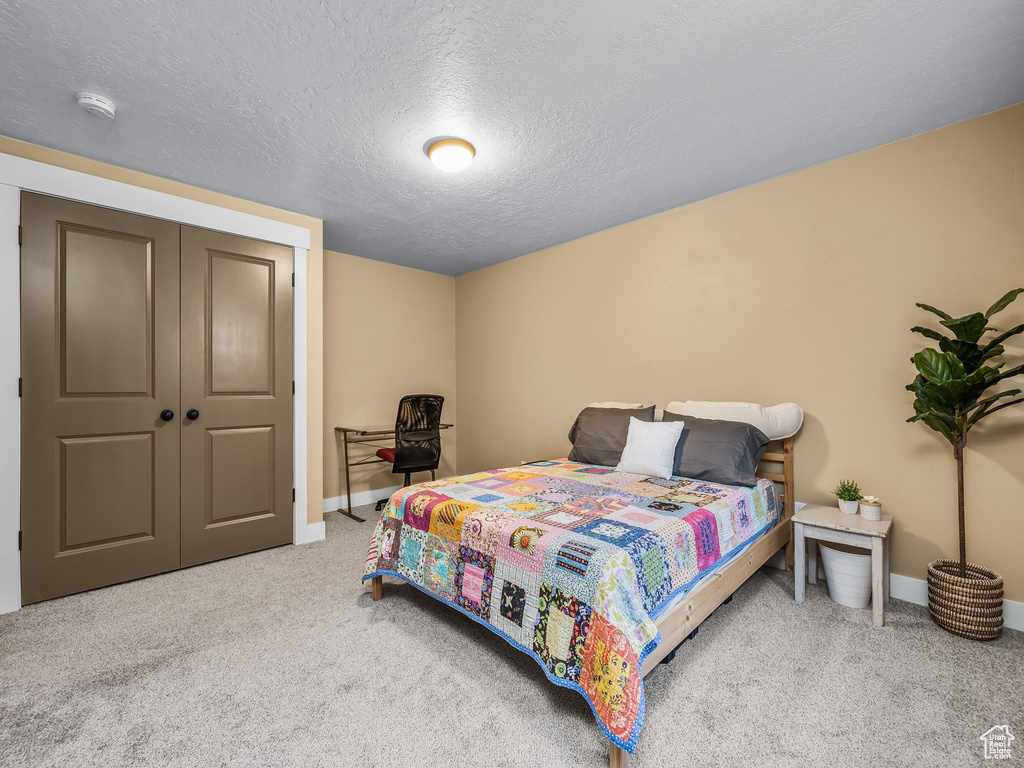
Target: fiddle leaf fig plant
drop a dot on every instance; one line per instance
(951, 389)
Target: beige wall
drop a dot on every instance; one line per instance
(388, 331)
(314, 295)
(801, 288)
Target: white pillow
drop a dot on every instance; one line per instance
(777, 422)
(650, 447)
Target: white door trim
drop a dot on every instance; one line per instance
(304, 532)
(10, 402)
(17, 174)
(62, 182)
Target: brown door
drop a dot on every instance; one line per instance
(236, 353)
(100, 362)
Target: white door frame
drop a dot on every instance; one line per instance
(17, 174)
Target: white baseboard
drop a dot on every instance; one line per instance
(335, 503)
(908, 588)
(310, 532)
(913, 590)
(916, 591)
(1013, 614)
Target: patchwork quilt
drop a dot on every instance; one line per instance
(571, 563)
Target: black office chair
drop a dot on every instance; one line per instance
(417, 438)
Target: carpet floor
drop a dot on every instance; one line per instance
(280, 658)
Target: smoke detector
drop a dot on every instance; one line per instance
(96, 105)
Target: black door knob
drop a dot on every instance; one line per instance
(166, 414)
(192, 414)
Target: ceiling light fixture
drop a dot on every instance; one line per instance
(96, 105)
(451, 155)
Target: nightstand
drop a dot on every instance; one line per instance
(818, 523)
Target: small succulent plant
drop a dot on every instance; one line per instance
(847, 490)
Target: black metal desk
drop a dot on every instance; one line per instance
(372, 435)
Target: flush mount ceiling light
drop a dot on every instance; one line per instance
(96, 105)
(451, 155)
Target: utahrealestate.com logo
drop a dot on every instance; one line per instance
(997, 742)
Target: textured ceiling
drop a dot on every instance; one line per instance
(585, 115)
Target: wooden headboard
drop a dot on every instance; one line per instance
(779, 455)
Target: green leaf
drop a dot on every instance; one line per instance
(941, 421)
(927, 400)
(987, 410)
(1000, 375)
(950, 395)
(934, 335)
(1004, 302)
(939, 395)
(938, 367)
(955, 394)
(967, 328)
(1004, 336)
(990, 400)
(1004, 405)
(990, 352)
(966, 352)
(938, 426)
(944, 416)
(989, 372)
(938, 312)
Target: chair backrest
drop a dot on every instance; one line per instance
(418, 433)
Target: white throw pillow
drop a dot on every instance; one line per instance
(650, 447)
(777, 422)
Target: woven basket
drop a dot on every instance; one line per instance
(970, 606)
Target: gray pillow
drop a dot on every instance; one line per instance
(599, 434)
(725, 452)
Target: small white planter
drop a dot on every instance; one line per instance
(848, 575)
(849, 507)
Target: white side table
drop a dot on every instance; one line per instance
(816, 522)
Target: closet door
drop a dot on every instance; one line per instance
(100, 363)
(236, 398)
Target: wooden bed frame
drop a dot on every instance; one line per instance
(687, 615)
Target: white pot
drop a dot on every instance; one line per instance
(848, 575)
(849, 507)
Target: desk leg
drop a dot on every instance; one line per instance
(347, 512)
(877, 583)
(799, 561)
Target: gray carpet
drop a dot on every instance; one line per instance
(281, 659)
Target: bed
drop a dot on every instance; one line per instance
(595, 573)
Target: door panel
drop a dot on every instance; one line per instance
(242, 463)
(106, 490)
(100, 360)
(236, 457)
(97, 267)
(240, 335)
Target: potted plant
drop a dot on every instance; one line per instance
(848, 494)
(952, 395)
